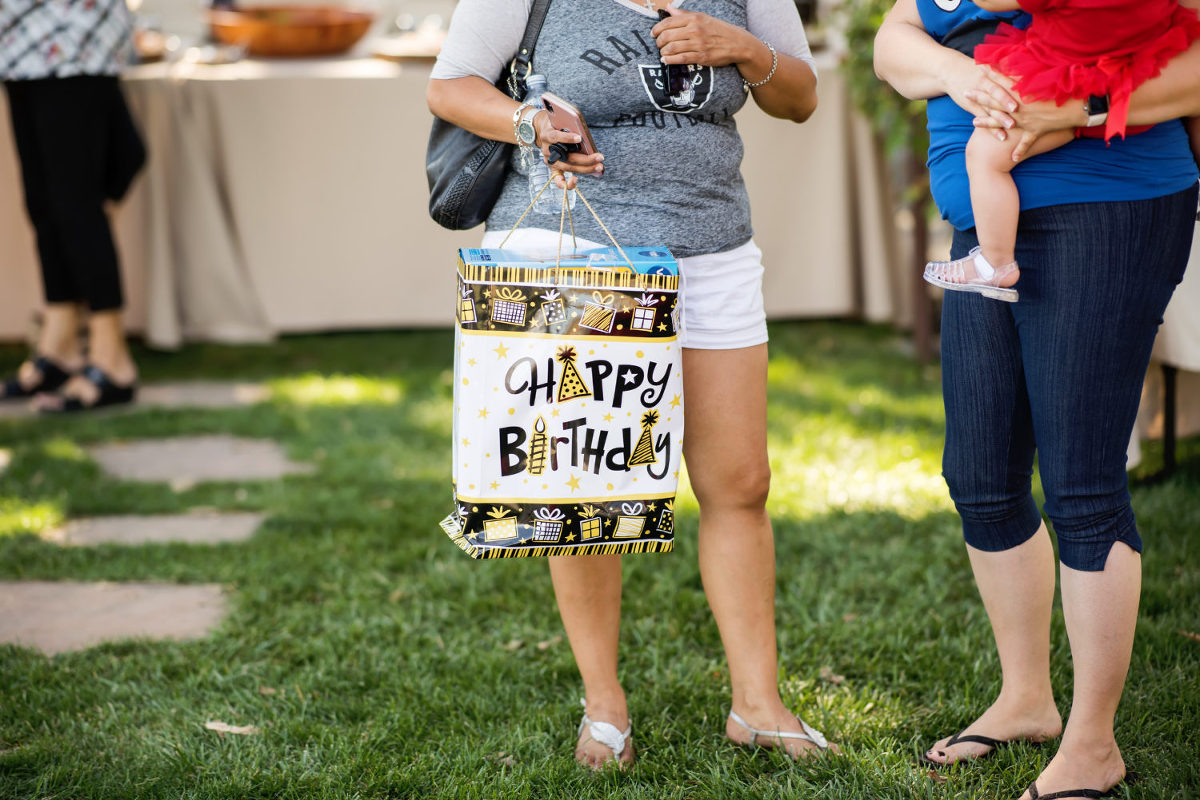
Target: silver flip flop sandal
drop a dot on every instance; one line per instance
(811, 734)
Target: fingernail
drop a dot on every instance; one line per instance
(1012, 106)
(1008, 123)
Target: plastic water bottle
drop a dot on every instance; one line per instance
(536, 167)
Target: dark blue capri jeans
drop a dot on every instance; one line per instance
(1059, 373)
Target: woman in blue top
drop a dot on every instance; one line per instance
(1103, 239)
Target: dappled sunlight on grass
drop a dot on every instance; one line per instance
(61, 449)
(18, 516)
(338, 390)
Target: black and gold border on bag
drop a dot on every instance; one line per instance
(466, 172)
(529, 530)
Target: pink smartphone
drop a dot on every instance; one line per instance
(566, 117)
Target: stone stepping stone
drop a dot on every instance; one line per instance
(57, 617)
(186, 460)
(181, 394)
(193, 528)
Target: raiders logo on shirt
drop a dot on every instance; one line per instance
(692, 95)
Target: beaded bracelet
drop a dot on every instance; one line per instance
(774, 63)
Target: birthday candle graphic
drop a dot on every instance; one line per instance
(537, 448)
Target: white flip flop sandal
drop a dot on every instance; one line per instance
(606, 734)
(811, 734)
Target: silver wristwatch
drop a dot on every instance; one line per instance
(1096, 108)
(523, 128)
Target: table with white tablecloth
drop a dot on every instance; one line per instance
(286, 196)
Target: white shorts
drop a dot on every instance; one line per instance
(721, 298)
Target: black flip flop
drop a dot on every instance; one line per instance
(111, 394)
(52, 379)
(1081, 794)
(976, 738)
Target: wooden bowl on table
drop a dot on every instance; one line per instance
(290, 31)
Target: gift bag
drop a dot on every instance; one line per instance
(568, 403)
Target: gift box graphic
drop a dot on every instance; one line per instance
(509, 307)
(599, 315)
(548, 524)
(553, 310)
(644, 313)
(630, 524)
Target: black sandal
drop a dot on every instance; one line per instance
(111, 394)
(976, 738)
(1087, 794)
(52, 379)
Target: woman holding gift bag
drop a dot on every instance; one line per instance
(671, 176)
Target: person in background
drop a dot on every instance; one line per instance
(1104, 237)
(77, 148)
(672, 177)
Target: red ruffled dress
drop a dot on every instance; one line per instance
(1076, 48)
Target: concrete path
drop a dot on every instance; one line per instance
(194, 528)
(181, 394)
(187, 460)
(57, 617)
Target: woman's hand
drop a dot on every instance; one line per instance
(1034, 118)
(690, 37)
(983, 93)
(574, 164)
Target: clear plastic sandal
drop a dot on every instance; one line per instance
(966, 275)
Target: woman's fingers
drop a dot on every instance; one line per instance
(591, 164)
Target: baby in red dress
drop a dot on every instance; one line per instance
(1071, 49)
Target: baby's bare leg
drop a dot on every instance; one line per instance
(994, 197)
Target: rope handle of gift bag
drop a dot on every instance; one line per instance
(563, 216)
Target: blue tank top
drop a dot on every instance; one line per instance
(1155, 163)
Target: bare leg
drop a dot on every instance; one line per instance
(588, 591)
(1101, 614)
(109, 351)
(1017, 587)
(994, 197)
(726, 452)
(57, 341)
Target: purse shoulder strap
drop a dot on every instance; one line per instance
(523, 60)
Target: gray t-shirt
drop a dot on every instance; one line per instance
(672, 165)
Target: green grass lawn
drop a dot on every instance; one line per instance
(379, 661)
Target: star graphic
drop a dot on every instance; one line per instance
(652, 507)
(608, 417)
(570, 537)
(662, 326)
(554, 413)
(483, 412)
(472, 361)
(608, 523)
(501, 351)
(495, 485)
(573, 483)
(466, 442)
(675, 402)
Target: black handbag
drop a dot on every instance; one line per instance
(466, 172)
